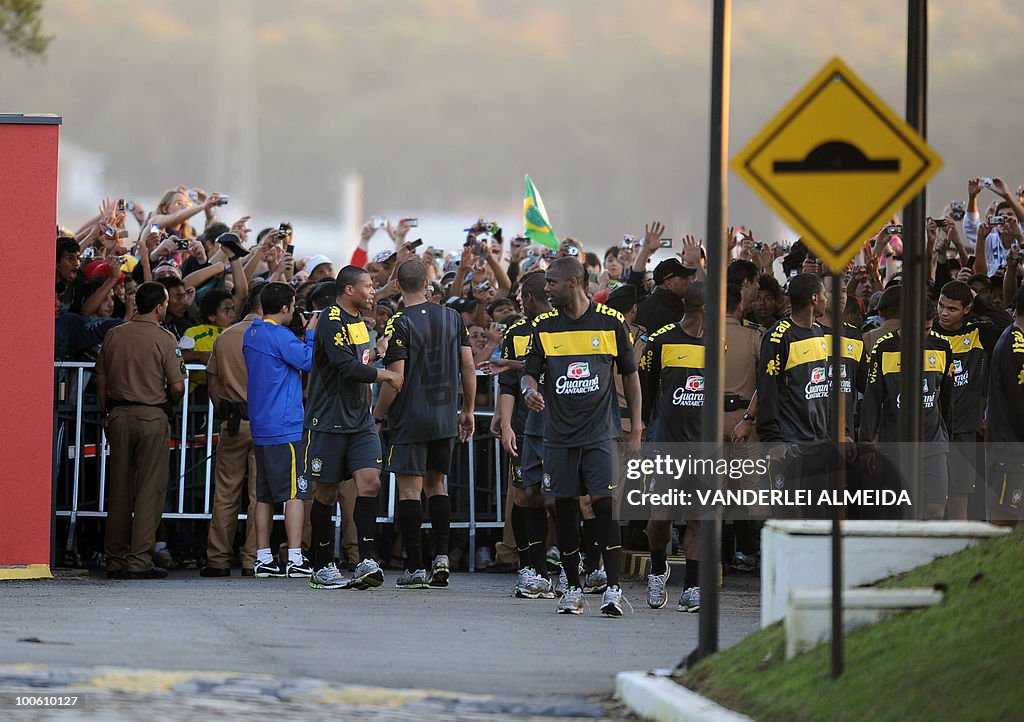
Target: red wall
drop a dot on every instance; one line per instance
(28, 219)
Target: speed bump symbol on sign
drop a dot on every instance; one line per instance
(836, 163)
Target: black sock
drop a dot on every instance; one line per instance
(609, 537)
(567, 530)
(365, 516)
(692, 576)
(321, 538)
(537, 530)
(439, 507)
(410, 518)
(659, 561)
(520, 528)
(591, 545)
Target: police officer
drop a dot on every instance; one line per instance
(139, 373)
(227, 377)
(743, 339)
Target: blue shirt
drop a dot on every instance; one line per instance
(275, 358)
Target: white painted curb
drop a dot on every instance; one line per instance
(658, 698)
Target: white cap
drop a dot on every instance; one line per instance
(313, 262)
(381, 256)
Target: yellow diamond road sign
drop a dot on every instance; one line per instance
(836, 163)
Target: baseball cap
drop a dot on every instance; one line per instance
(318, 260)
(461, 304)
(623, 298)
(382, 256)
(890, 298)
(98, 269)
(671, 268)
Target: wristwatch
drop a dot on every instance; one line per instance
(527, 391)
(746, 416)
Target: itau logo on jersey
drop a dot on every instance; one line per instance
(577, 379)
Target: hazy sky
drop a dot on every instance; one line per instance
(443, 105)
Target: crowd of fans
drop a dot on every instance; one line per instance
(210, 264)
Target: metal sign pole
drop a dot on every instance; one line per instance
(915, 265)
(714, 313)
(839, 472)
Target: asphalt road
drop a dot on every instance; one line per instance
(473, 637)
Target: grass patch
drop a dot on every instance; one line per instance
(961, 659)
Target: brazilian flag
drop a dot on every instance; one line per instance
(535, 218)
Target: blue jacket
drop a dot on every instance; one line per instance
(274, 358)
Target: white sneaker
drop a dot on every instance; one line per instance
(439, 571)
(327, 578)
(689, 600)
(657, 594)
(611, 602)
(571, 602)
(532, 585)
(562, 584)
(367, 574)
(595, 582)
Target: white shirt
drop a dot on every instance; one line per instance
(995, 252)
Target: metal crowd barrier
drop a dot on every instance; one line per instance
(79, 437)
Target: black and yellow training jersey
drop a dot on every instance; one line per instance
(514, 346)
(880, 413)
(1005, 423)
(429, 338)
(673, 366)
(578, 358)
(971, 347)
(853, 369)
(793, 384)
(338, 399)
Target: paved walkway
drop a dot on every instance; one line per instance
(493, 656)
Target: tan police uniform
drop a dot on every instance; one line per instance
(235, 454)
(639, 336)
(138, 361)
(743, 341)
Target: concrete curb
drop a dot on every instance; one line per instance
(656, 697)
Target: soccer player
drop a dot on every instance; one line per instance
(880, 410)
(853, 368)
(673, 366)
(342, 442)
(522, 436)
(429, 349)
(577, 347)
(971, 343)
(1004, 430)
(793, 389)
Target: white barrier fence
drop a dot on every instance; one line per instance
(81, 450)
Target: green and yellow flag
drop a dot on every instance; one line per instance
(535, 218)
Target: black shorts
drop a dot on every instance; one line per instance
(333, 458)
(935, 471)
(1005, 489)
(966, 463)
(528, 468)
(279, 473)
(592, 469)
(421, 457)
